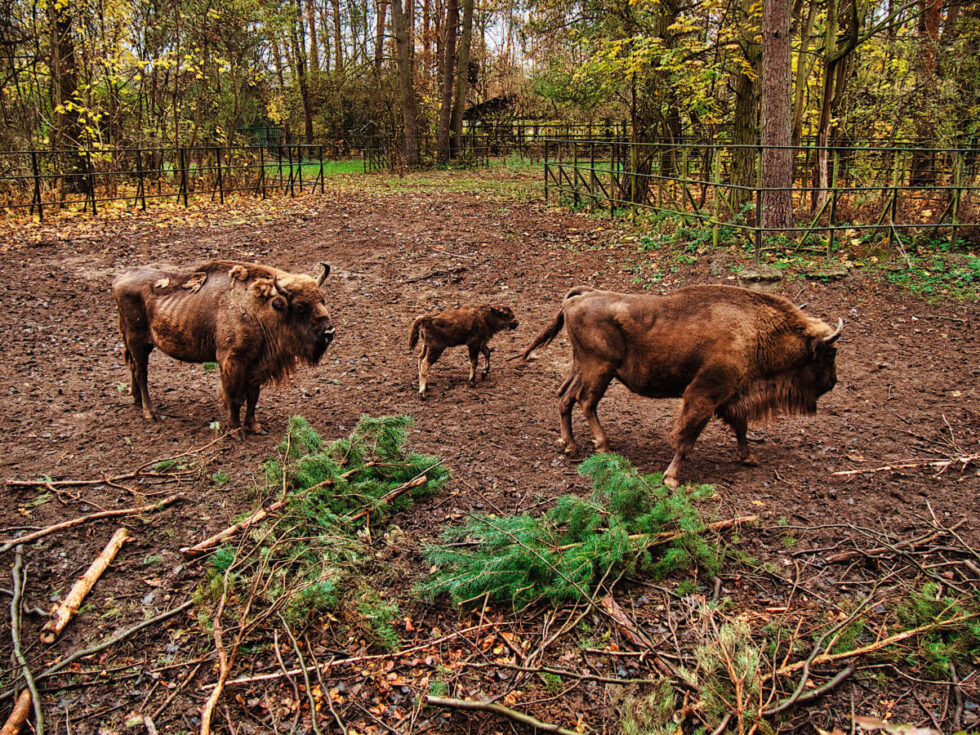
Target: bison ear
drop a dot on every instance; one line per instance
(262, 288)
(279, 303)
(238, 273)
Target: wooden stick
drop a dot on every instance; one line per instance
(401, 489)
(939, 464)
(356, 659)
(17, 718)
(472, 704)
(658, 539)
(69, 606)
(212, 541)
(10, 543)
(889, 641)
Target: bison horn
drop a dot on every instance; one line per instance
(280, 289)
(323, 274)
(829, 340)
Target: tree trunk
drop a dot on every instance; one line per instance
(406, 84)
(379, 37)
(922, 173)
(314, 49)
(448, 75)
(299, 54)
(338, 45)
(64, 71)
(462, 77)
(777, 122)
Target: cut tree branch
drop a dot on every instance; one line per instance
(472, 704)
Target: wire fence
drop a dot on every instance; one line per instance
(870, 193)
(391, 152)
(44, 183)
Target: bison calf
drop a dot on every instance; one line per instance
(472, 326)
(726, 351)
(256, 322)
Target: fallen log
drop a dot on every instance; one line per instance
(18, 717)
(69, 606)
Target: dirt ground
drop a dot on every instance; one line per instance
(909, 384)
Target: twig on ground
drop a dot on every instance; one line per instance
(69, 606)
(356, 659)
(799, 698)
(899, 546)
(18, 715)
(212, 541)
(939, 464)
(173, 695)
(13, 725)
(306, 675)
(472, 704)
(110, 641)
(10, 543)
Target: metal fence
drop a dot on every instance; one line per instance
(45, 182)
(872, 193)
(387, 152)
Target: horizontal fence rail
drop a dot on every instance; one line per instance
(46, 182)
(870, 192)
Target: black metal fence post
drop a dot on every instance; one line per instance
(321, 171)
(833, 204)
(221, 183)
(546, 170)
(262, 170)
(91, 182)
(36, 201)
(140, 185)
(182, 157)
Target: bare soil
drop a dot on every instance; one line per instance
(909, 383)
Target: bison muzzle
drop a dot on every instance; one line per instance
(726, 351)
(256, 322)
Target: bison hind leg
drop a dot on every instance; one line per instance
(566, 398)
(740, 425)
(486, 353)
(138, 358)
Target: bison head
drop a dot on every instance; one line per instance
(501, 317)
(820, 369)
(298, 307)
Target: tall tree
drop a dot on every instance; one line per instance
(777, 121)
(462, 77)
(406, 84)
(448, 76)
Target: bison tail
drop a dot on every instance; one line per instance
(547, 334)
(416, 329)
(551, 331)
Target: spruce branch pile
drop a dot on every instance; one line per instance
(630, 522)
(294, 563)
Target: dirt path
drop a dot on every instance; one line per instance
(909, 377)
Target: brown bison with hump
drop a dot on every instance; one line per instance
(728, 352)
(256, 322)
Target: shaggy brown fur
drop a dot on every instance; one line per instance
(728, 352)
(256, 322)
(472, 326)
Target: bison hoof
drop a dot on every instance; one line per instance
(255, 428)
(571, 449)
(422, 395)
(671, 482)
(150, 415)
(601, 447)
(748, 460)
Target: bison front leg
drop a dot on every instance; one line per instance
(427, 359)
(233, 391)
(251, 398)
(699, 404)
(138, 359)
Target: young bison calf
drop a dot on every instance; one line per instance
(472, 326)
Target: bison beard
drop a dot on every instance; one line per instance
(727, 352)
(256, 322)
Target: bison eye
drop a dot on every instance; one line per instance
(301, 309)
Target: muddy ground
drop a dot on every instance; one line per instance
(909, 382)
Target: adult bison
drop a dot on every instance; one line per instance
(729, 352)
(256, 322)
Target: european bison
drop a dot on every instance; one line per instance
(256, 322)
(728, 352)
(472, 326)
